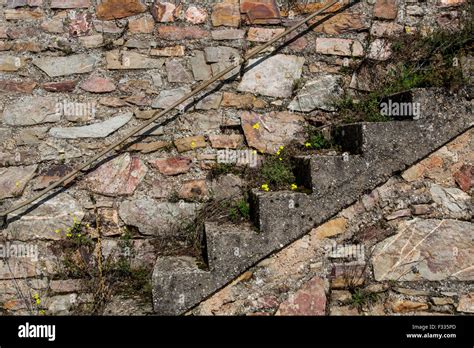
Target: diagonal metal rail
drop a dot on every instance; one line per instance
(158, 114)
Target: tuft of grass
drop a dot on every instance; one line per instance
(240, 210)
(277, 172)
(416, 62)
(220, 169)
(317, 141)
(361, 298)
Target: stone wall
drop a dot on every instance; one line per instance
(76, 75)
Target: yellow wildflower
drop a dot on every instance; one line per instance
(17, 184)
(281, 159)
(193, 144)
(265, 187)
(307, 144)
(69, 235)
(294, 186)
(57, 231)
(256, 126)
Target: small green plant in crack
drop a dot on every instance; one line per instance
(277, 171)
(220, 169)
(77, 233)
(239, 211)
(362, 298)
(317, 141)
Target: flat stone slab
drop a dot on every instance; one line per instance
(119, 176)
(117, 60)
(14, 179)
(62, 66)
(156, 218)
(426, 250)
(48, 221)
(273, 77)
(267, 132)
(321, 93)
(31, 110)
(167, 97)
(96, 130)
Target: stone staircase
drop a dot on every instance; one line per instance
(373, 153)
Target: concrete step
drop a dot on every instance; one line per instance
(376, 151)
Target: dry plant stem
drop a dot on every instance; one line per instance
(159, 114)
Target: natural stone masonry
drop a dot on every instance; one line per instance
(113, 58)
(179, 284)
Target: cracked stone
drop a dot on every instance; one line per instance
(167, 97)
(163, 11)
(201, 70)
(196, 15)
(177, 72)
(426, 250)
(96, 130)
(154, 218)
(61, 66)
(226, 13)
(13, 180)
(379, 49)
(273, 77)
(31, 110)
(260, 11)
(453, 199)
(267, 132)
(48, 221)
(119, 176)
(321, 93)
